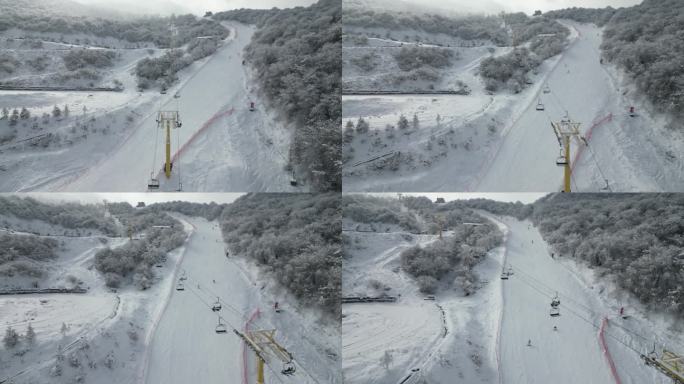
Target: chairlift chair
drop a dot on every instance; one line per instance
(555, 302)
(540, 106)
(251, 106)
(504, 276)
(153, 184)
(288, 369)
(293, 180)
(216, 306)
(180, 286)
(510, 271)
(554, 312)
(561, 161)
(547, 89)
(220, 327)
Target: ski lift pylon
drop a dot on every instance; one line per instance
(153, 184)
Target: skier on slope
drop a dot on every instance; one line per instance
(529, 343)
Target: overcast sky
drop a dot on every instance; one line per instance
(134, 198)
(165, 7)
(523, 197)
(496, 6)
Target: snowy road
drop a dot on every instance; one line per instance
(631, 152)
(570, 354)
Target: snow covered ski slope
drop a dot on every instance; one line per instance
(630, 153)
(531, 351)
(221, 146)
(185, 347)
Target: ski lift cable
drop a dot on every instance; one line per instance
(572, 178)
(244, 317)
(208, 305)
(213, 294)
(593, 156)
(590, 312)
(570, 299)
(590, 322)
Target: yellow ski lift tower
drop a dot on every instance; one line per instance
(263, 344)
(167, 120)
(668, 362)
(565, 130)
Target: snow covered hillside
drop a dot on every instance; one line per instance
(419, 338)
(502, 142)
(111, 142)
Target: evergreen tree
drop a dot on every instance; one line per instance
(66, 110)
(5, 113)
(403, 122)
(416, 122)
(25, 114)
(14, 118)
(56, 112)
(30, 335)
(11, 338)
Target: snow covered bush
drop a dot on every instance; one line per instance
(508, 71)
(82, 58)
(375, 210)
(410, 58)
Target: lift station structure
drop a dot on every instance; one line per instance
(565, 131)
(264, 346)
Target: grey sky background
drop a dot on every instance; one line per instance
(167, 7)
(523, 197)
(134, 198)
(491, 6)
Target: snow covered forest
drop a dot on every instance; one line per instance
(645, 41)
(71, 216)
(156, 234)
(296, 56)
(293, 237)
(634, 239)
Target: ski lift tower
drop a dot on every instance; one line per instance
(264, 346)
(566, 130)
(167, 120)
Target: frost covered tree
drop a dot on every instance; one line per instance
(416, 122)
(30, 335)
(11, 338)
(4, 114)
(66, 110)
(25, 114)
(403, 123)
(14, 119)
(349, 132)
(387, 359)
(56, 112)
(63, 330)
(362, 126)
